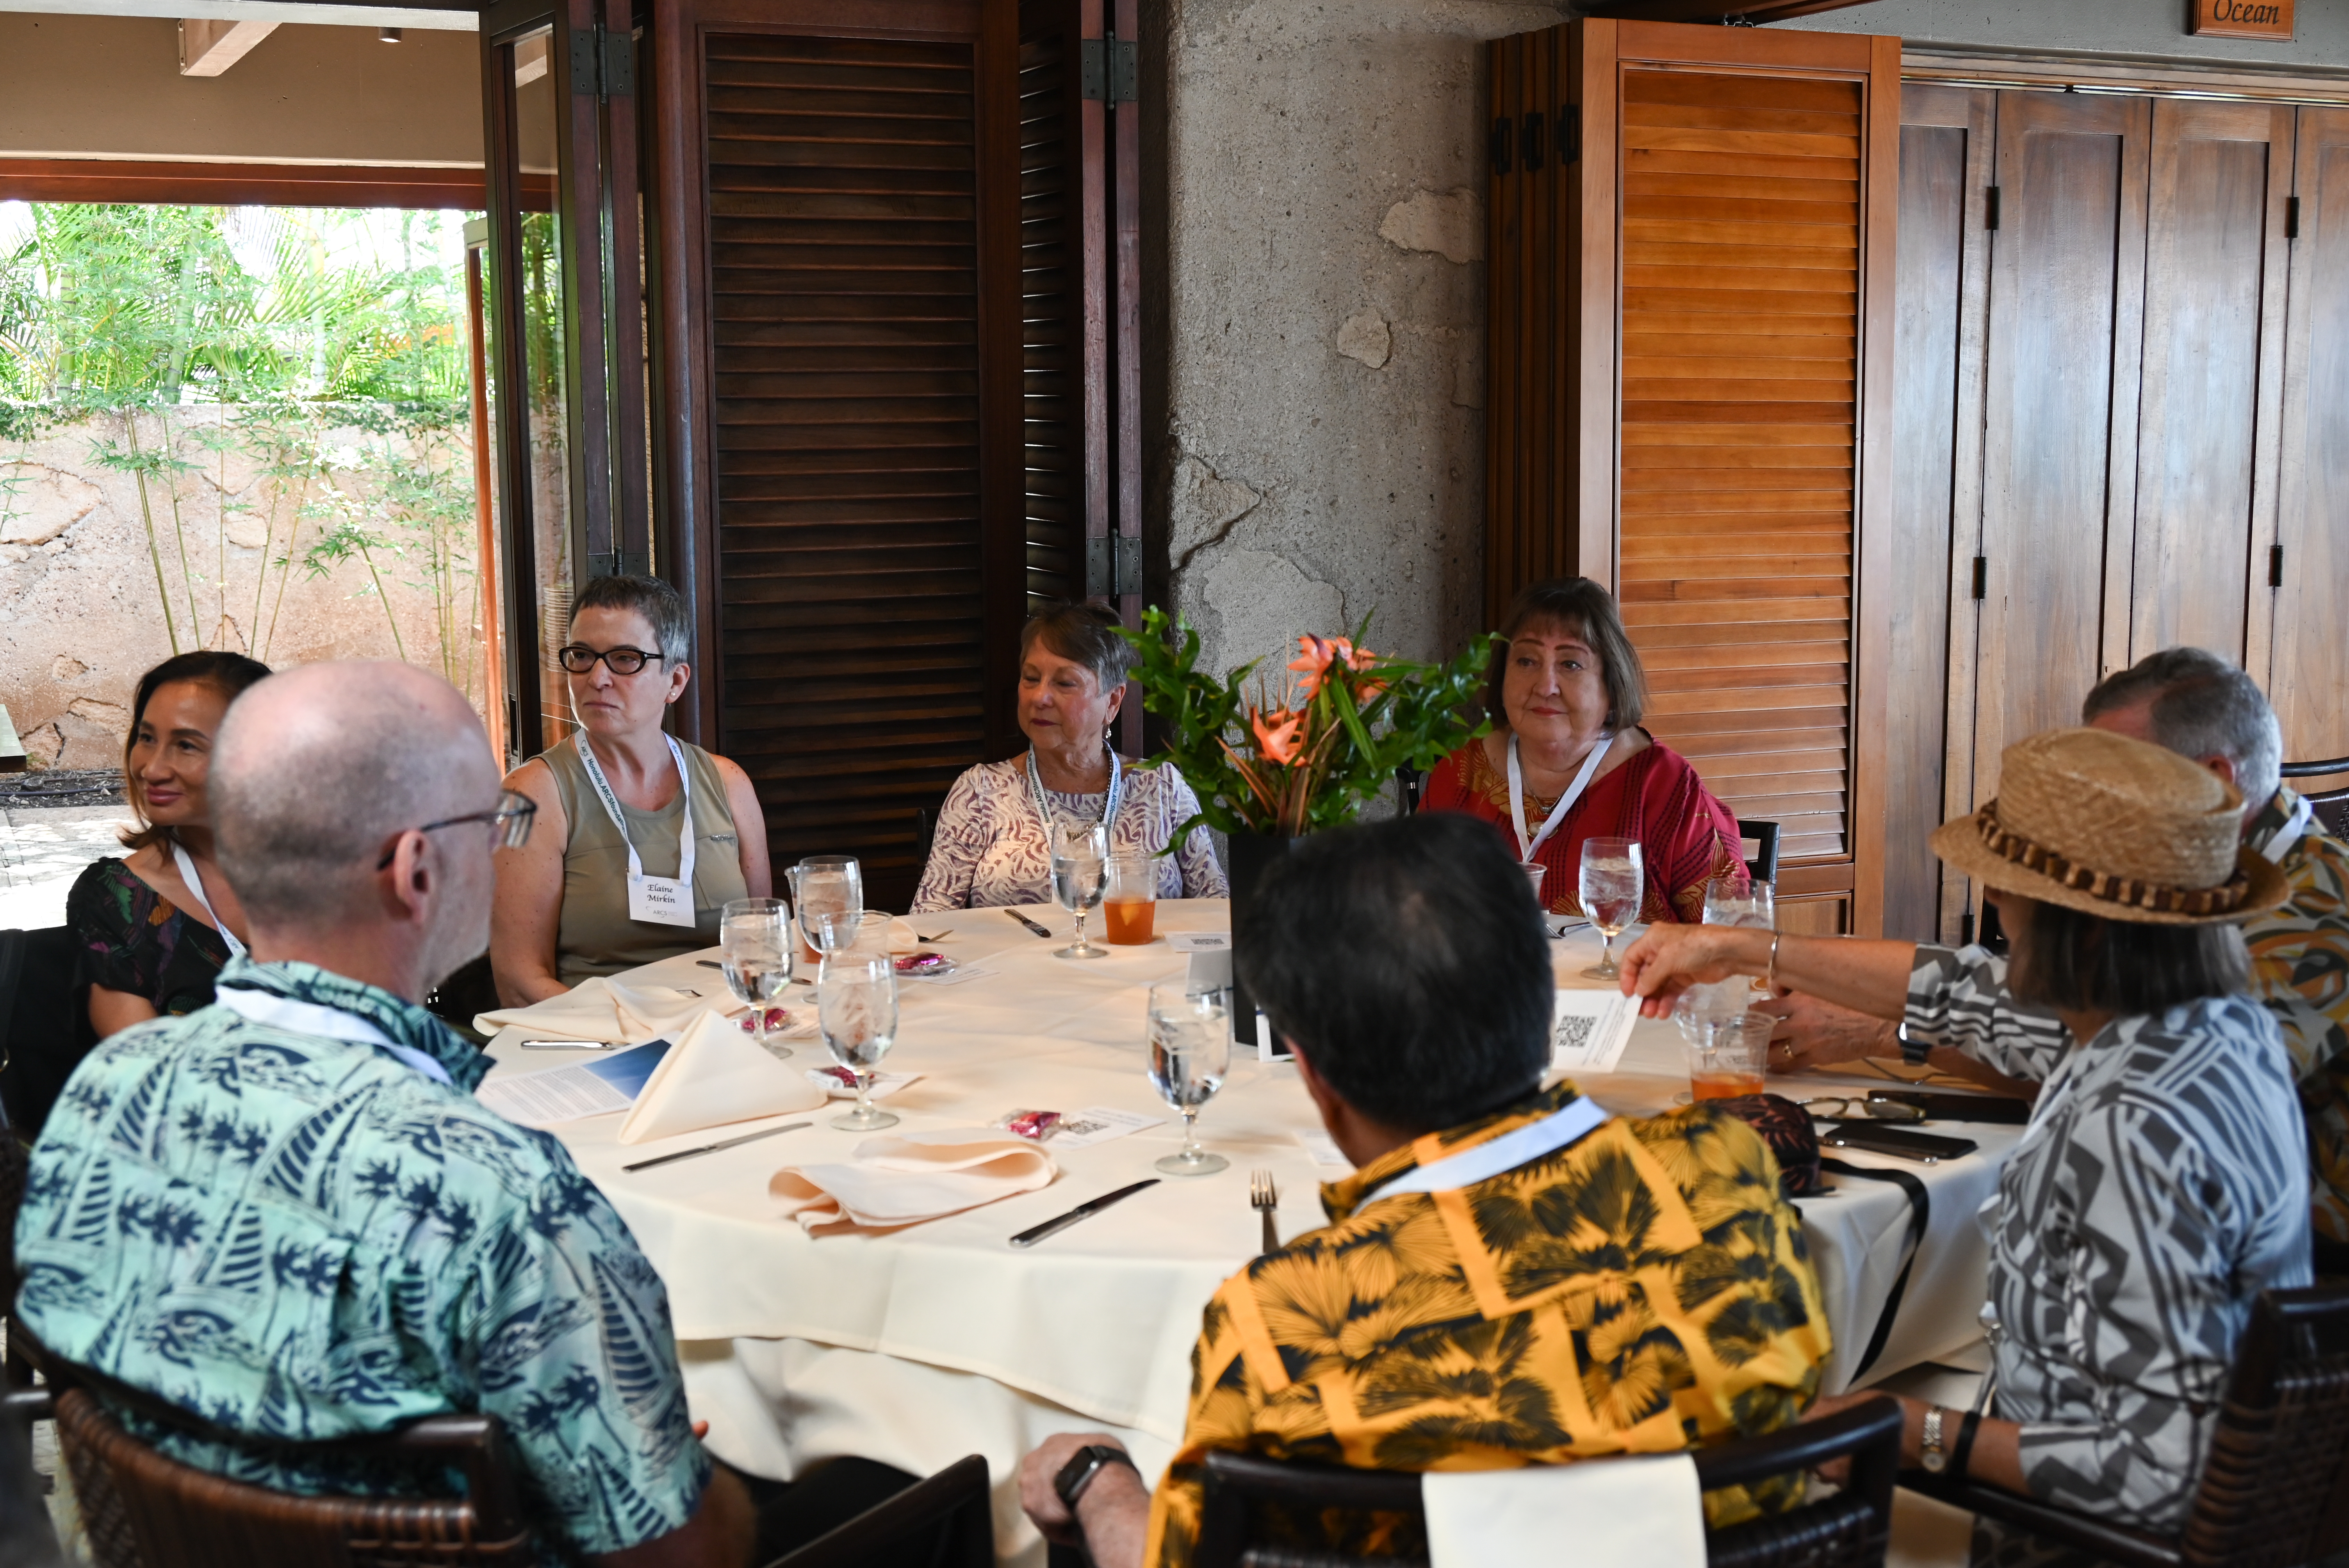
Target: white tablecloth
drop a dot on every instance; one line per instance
(918, 1347)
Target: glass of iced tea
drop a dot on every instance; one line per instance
(1728, 1058)
(1131, 901)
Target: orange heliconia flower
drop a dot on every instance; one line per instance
(1316, 654)
(1277, 739)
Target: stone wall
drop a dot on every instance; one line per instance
(80, 615)
(1320, 427)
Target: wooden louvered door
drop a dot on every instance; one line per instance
(840, 188)
(1692, 319)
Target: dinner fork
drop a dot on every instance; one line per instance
(1264, 1198)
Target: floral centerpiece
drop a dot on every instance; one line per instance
(1285, 762)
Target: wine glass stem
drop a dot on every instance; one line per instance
(1606, 948)
(1080, 929)
(1191, 1133)
(864, 1096)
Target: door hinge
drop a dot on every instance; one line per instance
(603, 64)
(1504, 146)
(1531, 144)
(1569, 132)
(1989, 206)
(1981, 576)
(2291, 217)
(2275, 565)
(1110, 70)
(1112, 565)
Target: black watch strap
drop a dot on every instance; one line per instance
(1913, 1052)
(1082, 1466)
(1963, 1452)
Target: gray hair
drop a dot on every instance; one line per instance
(316, 770)
(2202, 705)
(650, 597)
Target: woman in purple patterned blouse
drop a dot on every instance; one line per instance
(991, 846)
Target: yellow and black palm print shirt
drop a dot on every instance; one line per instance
(1643, 1290)
(2300, 955)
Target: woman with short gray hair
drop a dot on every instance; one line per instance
(642, 839)
(993, 843)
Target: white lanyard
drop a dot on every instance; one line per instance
(656, 901)
(333, 1023)
(1503, 1154)
(1044, 810)
(1565, 802)
(196, 891)
(2304, 812)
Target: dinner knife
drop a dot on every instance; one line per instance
(714, 1147)
(1029, 923)
(1029, 1238)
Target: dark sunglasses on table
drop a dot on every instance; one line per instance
(1837, 1109)
(579, 658)
(510, 818)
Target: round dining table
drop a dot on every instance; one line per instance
(918, 1345)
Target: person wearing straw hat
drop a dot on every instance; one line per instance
(2160, 1187)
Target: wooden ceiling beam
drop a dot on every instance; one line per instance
(1755, 12)
(208, 45)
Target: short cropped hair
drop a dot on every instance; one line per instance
(2083, 962)
(650, 597)
(229, 673)
(1407, 959)
(1580, 605)
(2203, 705)
(1084, 634)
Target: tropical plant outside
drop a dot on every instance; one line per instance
(320, 350)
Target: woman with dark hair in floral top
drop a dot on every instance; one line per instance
(156, 926)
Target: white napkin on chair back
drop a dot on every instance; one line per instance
(713, 1075)
(600, 1009)
(1637, 1511)
(903, 1180)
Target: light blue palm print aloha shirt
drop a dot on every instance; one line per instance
(303, 1238)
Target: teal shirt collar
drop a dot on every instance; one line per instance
(404, 1021)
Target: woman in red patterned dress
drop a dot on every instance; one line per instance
(1566, 697)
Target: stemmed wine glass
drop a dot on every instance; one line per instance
(822, 885)
(1613, 877)
(856, 1004)
(757, 964)
(1190, 1052)
(1741, 899)
(1079, 872)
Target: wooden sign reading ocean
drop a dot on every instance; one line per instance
(2242, 19)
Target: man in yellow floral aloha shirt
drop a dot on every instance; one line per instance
(1510, 1276)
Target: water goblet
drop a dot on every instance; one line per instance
(1613, 877)
(1190, 1052)
(1080, 874)
(857, 1006)
(756, 960)
(1741, 899)
(820, 885)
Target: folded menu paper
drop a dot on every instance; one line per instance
(714, 1075)
(1635, 1511)
(565, 1094)
(1590, 1030)
(903, 1180)
(612, 1010)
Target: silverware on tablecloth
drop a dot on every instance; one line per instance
(1030, 1237)
(709, 964)
(714, 1147)
(570, 1045)
(1264, 1197)
(941, 937)
(1563, 926)
(1029, 923)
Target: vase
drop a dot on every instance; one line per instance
(1251, 854)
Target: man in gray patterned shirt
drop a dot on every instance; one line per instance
(2161, 1185)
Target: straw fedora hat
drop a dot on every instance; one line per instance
(2116, 828)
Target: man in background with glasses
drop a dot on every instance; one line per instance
(287, 1216)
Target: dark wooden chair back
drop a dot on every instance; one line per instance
(1849, 1529)
(15, 1162)
(45, 1029)
(1762, 839)
(2275, 1490)
(945, 1521)
(145, 1511)
(1410, 786)
(464, 997)
(2331, 805)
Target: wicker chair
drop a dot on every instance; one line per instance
(1849, 1529)
(2275, 1492)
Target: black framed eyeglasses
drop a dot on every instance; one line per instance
(579, 658)
(1842, 1109)
(511, 817)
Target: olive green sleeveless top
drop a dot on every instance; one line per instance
(597, 936)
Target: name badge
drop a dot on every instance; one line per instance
(660, 901)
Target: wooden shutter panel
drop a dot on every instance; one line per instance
(1063, 261)
(844, 178)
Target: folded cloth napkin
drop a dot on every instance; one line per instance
(903, 1180)
(714, 1074)
(1640, 1512)
(600, 1009)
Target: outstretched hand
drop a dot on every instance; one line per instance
(1669, 959)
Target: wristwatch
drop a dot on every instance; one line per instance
(1082, 1466)
(1913, 1052)
(1930, 1452)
